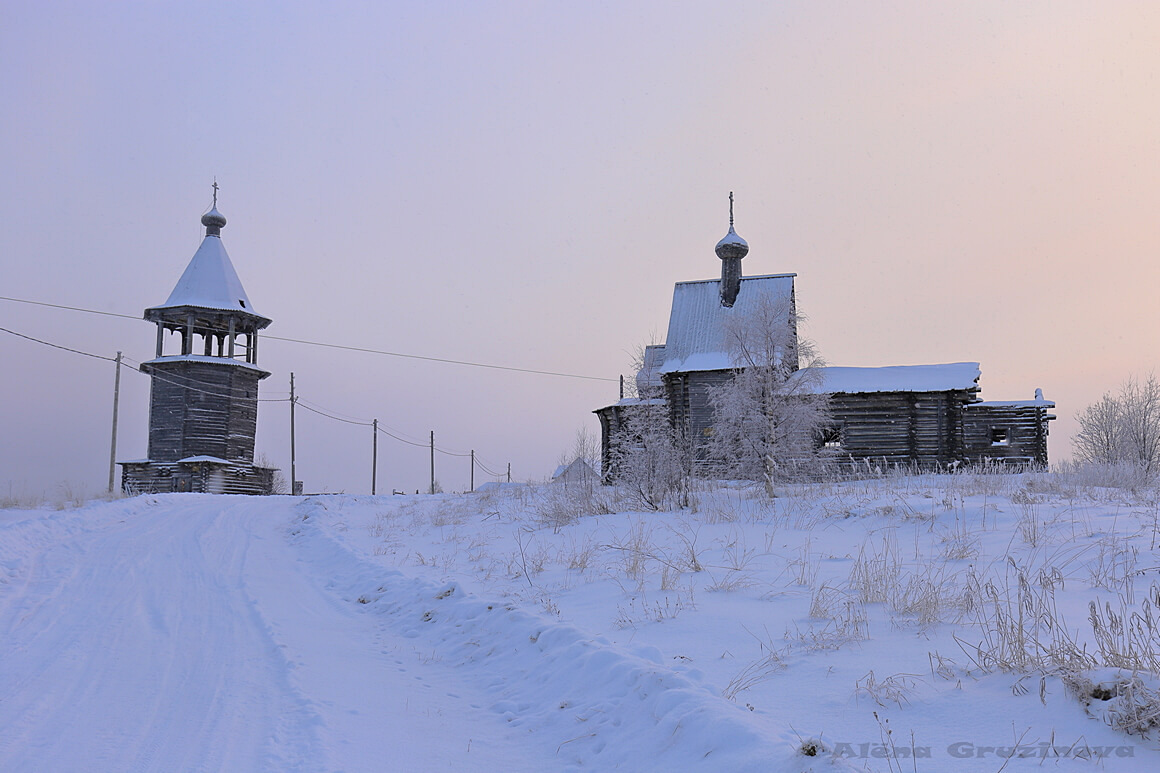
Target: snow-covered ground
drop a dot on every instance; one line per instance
(961, 622)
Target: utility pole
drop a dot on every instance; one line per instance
(432, 461)
(473, 469)
(116, 400)
(509, 472)
(293, 472)
(374, 456)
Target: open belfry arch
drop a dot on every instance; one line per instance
(203, 401)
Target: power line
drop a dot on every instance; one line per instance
(318, 410)
(167, 380)
(442, 359)
(57, 346)
(69, 308)
(333, 414)
(329, 416)
(136, 369)
(487, 469)
(403, 440)
(364, 350)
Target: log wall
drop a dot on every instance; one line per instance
(929, 430)
(1009, 434)
(197, 477)
(202, 409)
(901, 428)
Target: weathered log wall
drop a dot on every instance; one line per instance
(1012, 433)
(202, 409)
(930, 430)
(900, 428)
(198, 477)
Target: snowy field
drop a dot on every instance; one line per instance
(934, 623)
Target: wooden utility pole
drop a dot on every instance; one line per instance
(293, 471)
(116, 401)
(374, 456)
(509, 472)
(432, 461)
(473, 469)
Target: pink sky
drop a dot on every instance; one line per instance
(521, 184)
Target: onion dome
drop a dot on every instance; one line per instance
(213, 222)
(732, 245)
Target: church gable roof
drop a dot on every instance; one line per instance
(696, 336)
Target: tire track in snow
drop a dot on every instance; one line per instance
(592, 705)
(129, 648)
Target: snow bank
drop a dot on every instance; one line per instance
(604, 707)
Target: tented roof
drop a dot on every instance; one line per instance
(210, 282)
(696, 337)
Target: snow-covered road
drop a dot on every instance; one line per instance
(185, 633)
(200, 633)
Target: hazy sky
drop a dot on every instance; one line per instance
(521, 183)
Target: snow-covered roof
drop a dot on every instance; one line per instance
(732, 245)
(648, 378)
(696, 337)
(203, 458)
(1013, 404)
(204, 358)
(210, 282)
(578, 469)
(899, 378)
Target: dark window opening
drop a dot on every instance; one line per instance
(1000, 436)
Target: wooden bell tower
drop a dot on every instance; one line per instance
(203, 405)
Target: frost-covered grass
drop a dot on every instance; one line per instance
(984, 610)
(63, 496)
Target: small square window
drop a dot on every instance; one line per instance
(1000, 436)
(831, 438)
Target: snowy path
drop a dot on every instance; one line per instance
(184, 634)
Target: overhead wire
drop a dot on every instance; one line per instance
(57, 346)
(314, 408)
(365, 350)
(329, 416)
(210, 392)
(134, 368)
(488, 470)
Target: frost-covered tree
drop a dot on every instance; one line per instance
(767, 419)
(651, 463)
(1099, 437)
(1124, 427)
(585, 448)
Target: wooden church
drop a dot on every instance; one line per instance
(203, 402)
(917, 416)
